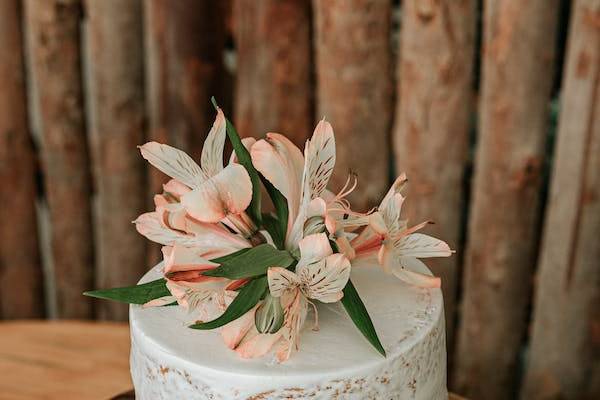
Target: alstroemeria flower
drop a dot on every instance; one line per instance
(320, 275)
(398, 247)
(216, 193)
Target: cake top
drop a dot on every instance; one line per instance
(257, 275)
(403, 319)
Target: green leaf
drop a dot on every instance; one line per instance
(247, 297)
(271, 224)
(360, 316)
(228, 257)
(139, 294)
(281, 211)
(245, 160)
(252, 263)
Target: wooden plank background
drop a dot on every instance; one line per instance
(461, 94)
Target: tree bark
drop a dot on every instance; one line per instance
(274, 88)
(431, 136)
(518, 54)
(565, 344)
(21, 280)
(117, 107)
(56, 62)
(184, 59)
(354, 90)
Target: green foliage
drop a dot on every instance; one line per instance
(139, 294)
(248, 297)
(360, 316)
(252, 263)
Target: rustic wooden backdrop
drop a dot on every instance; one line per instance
(492, 107)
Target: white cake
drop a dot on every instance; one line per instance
(171, 361)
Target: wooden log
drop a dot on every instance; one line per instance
(184, 42)
(354, 90)
(565, 344)
(431, 136)
(274, 90)
(21, 280)
(56, 65)
(184, 61)
(117, 107)
(518, 54)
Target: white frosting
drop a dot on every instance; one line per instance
(171, 361)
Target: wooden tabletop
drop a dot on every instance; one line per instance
(63, 360)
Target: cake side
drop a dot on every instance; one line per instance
(169, 360)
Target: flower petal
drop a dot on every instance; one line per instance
(234, 332)
(282, 163)
(325, 280)
(257, 344)
(313, 248)
(247, 142)
(415, 278)
(211, 159)
(422, 246)
(173, 162)
(319, 160)
(185, 259)
(228, 192)
(281, 280)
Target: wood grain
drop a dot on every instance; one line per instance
(184, 68)
(20, 264)
(117, 107)
(354, 90)
(505, 209)
(274, 90)
(433, 113)
(55, 52)
(63, 360)
(565, 344)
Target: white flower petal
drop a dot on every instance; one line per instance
(319, 160)
(281, 280)
(173, 162)
(211, 159)
(325, 280)
(314, 248)
(422, 246)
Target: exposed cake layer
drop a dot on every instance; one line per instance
(169, 360)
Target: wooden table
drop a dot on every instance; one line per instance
(63, 360)
(66, 360)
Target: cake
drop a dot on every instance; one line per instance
(228, 312)
(334, 363)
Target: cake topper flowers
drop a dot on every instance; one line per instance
(256, 276)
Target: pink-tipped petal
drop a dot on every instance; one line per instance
(230, 191)
(185, 259)
(282, 163)
(161, 301)
(234, 332)
(416, 279)
(257, 344)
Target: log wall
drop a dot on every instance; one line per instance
(456, 93)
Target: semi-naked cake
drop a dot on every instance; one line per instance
(306, 299)
(171, 361)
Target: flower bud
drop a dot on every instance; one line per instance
(269, 315)
(314, 225)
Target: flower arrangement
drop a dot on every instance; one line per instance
(255, 276)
